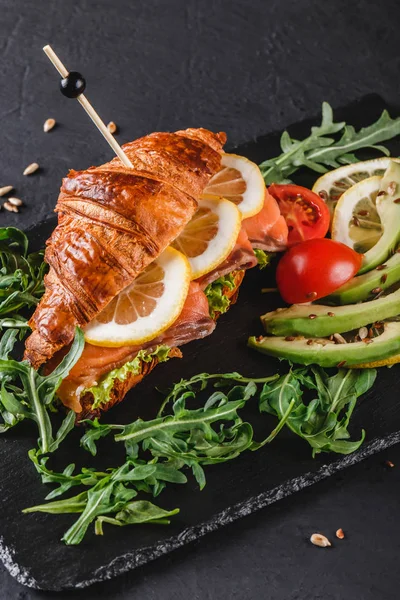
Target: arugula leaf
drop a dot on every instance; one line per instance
(139, 511)
(323, 422)
(159, 450)
(200, 382)
(21, 274)
(27, 394)
(319, 151)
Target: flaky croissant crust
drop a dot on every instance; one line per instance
(112, 222)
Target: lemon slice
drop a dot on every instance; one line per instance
(333, 184)
(210, 235)
(147, 307)
(356, 221)
(241, 182)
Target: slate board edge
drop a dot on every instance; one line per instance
(130, 561)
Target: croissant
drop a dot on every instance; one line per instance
(112, 222)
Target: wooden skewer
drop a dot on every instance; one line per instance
(48, 50)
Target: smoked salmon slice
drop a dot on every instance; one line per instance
(267, 230)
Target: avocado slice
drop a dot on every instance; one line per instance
(389, 212)
(319, 320)
(329, 354)
(359, 288)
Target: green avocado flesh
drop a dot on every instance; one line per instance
(359, 288)
(389, 213)
(328, 354)
(326, 320)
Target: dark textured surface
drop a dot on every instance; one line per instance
(248, 70)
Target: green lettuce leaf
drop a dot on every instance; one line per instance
(101, 392)
(264, 258)
(217, 300)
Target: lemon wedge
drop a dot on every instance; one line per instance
(147, 307)
(210, 235)
(333, 184)
(240, 181)
(356, 221)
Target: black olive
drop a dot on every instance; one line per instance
(73, 85)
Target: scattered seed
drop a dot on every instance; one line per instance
(5, 190)
(260, 338)
(312, 295)
(310, 342)
(381, 193)
(312, 316)
(341, 364)
(15, 201)
(397, 201)
(363, 213)
(356, 222)
(376, 290)
(340, 534)
(381, 267)
(290, 338)
(330, 314)
(391, 189)
(367, 340)
(48, 125)
(363, 333)
(30, 169)
(370, 332)
(339, 339)
(112, 128)
(320, 540)
(323, 194)
(384, 278)
(10, 207)
(390, 464)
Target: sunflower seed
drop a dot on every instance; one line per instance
(112, 128)
(340, 534)
(320, 540)
(339, 339)
(32, 168)
(363, 333)
(48, 124)
(10, 207)
(4, 190)
(15, 201)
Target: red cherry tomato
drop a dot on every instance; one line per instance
(306, 214)
(314, 269)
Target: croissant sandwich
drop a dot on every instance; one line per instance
(133, 262)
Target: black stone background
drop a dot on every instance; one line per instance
(246, 67)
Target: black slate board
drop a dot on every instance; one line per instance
(29, 545)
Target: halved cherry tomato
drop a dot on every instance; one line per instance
(315, 268)
(306, 214)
